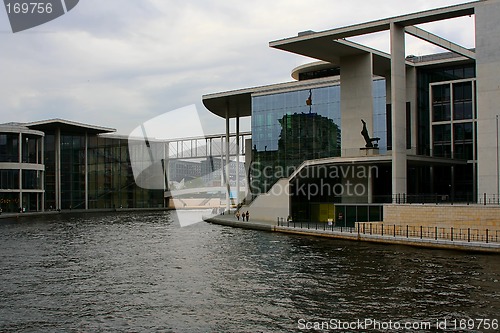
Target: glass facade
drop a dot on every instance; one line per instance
(287, 131)
(453, 117)
(111, 180)
(50, 170)
(441, 83)
(291, 127)
(21, 169)
(447, 127)
(9, 147)
(72, 171)
(100, 171)
(68, 168)
(9, 179)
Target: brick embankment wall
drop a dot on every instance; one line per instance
(444, 216)
(466, 222)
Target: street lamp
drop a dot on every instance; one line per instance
(498, 165)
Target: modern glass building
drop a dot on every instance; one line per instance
(59, 164)
(359, 127)
(21, 168)
(291, 127)
(64, 165)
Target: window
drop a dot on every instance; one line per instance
(463, 143)
(441, 107)
(9, 147)
(462, 100)
(442, 140)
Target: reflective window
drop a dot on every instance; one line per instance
(9, 179)
(31, 149)
(463, 141)
(289, 128)
(442, 140)
(32, 180)
(458, 143)
(462, 100)
(441, 106)
(9, 147)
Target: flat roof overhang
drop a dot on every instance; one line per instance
(237, 103)
(329, 45)
(378, 159)
(331, 51)
(68, 126)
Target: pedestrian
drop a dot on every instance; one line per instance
(247, 215)
(238, 215)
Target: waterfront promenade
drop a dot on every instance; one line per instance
(419, 238)
(10, 215)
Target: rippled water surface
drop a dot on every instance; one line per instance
(142, 272)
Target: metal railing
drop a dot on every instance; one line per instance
(436, 198)
(404, 231)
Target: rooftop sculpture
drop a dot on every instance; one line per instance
(369, 141)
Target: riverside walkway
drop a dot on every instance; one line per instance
(352, 234)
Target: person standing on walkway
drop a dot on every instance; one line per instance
(247, 215)
(238, 215)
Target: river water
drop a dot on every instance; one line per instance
(142, 272)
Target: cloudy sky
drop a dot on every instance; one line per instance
(118, 63)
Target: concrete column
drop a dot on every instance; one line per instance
(398, 109)
(86, 170)
(58, 168)
(228, 186)
(237, 160)
(356, 101)
(222, 169)
(20, 177)
(488, 96)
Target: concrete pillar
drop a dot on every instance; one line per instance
(398, 109)
(228, 185)
(356, 101)
(58, 168)
(20, 177)
(237, 160)
(86, 170)
(488, 94)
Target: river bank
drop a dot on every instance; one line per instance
(359, 235)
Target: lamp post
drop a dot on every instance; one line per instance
(498, 164)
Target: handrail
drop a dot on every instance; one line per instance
(403, 231)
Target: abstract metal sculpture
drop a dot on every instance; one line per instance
(369, 141)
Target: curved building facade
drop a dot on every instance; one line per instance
(63, 165)
(21, 168)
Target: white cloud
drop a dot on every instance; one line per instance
(118, 64)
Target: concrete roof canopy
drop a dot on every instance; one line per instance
(330, 45)
(68, 126)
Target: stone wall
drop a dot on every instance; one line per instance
(452, 222)
(444, 216)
